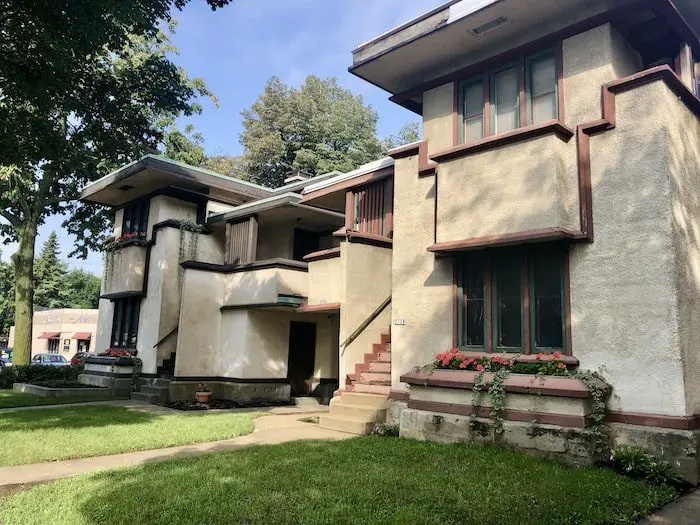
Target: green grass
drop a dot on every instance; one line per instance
(359, 481)
(12, 399)
(32, 436)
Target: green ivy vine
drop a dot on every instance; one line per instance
(188, 243)
(599, 394)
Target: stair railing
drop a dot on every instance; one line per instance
(363, 326)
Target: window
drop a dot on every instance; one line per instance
(53, 345)
(83, 345)
(492, 103)
(373, 208)
(512, 300)
(135, 217)
(125, 322)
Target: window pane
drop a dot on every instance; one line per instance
(508, 298)
(506, 100)
(473, 111)
(473, 283)
(549, 327)
(543, 79)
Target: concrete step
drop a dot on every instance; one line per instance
(358, 412)
(375, 377)
(383, 347)
(363, 399)
(386, 338)
(384, 356)
(307, 402)
(341, 424)
(380, 366)
(142, 396)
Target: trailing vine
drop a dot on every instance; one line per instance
(497, 397)
(188, 243)
(599, 394)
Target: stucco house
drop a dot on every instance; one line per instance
(550, 210)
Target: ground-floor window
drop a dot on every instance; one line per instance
(83, 345)
(54, 345)
(513, 299)
(125, 323)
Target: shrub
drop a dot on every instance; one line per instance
(385, 430)
(37, 374)
(636, 463)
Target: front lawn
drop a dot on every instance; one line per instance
(12, 399)
(365, 481)
(32, 436)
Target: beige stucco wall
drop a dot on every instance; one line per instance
(591, 59)
(623, 286)
(264, 286)
(163, 208)
(422, 283)
(325, 281)
(524, 186)
(105, 317)
(275, 240)
(128, 270)
(366, 272)
(67, 322)
(438, 118)
(684, 134)
(118, 219)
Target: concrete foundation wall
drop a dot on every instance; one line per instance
(242, 392)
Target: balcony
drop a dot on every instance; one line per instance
(125, 269)
(268, 283)
(508, 187)
(325, 280)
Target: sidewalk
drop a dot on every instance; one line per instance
(269, 430)
(685, 511)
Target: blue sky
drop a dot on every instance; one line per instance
(237, 49)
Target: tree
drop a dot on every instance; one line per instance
(408, 134)
(50, 276)
(109, 110)
(7, 303)
(82, 290)
(185, 146)
(317, 128)
(233, 166)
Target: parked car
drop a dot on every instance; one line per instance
(3, 363)
(80, 357)
(50, 360)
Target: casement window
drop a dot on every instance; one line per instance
(516, 95)
(54, 346)
(135, 217)
(125, 323)
(512, 300)
(374, 208)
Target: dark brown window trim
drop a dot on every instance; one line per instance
(539, 418)
(554, 386)
(654, 420)
(364, 238)
(555, 127)
(506, 239)
(320, 255)
(360, 180)
(425, 166)
(288, 264)
(319, 308)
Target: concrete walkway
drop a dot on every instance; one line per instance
(685, 511)
(269, 430)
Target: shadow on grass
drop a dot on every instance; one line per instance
(364, 480)
(71, 418)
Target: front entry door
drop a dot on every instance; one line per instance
(302, 356)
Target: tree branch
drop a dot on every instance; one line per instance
(12, 219)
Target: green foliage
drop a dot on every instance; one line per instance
(185, 146)
(408, 134)
(82, 290)
(227, 165)
(637, 463)
(385, 430)
(37, 373)
(49, 275)
(317, 128)
(364, 480)
(7, 298)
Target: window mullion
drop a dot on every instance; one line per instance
(526, 301)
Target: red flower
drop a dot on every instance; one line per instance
(455, 350)
(556, 355)
(561, 366)
(479, 368)
(463, 364)
(446, 361)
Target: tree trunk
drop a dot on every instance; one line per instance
(24, 293)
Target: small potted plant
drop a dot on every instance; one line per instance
(203, 394)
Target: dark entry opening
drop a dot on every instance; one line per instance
(305, 242)
(302, 356)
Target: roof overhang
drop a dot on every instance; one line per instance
(152, 173)
(424, 52)
(285, 208)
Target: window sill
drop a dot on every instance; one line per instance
(549, 127)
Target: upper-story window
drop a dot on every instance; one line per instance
(135, 217)
(374, 208)
(504, 99)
